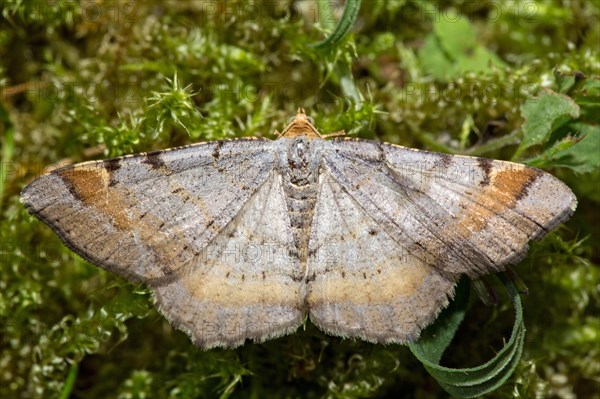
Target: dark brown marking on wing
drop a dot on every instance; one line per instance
(380, 152)
(534, 175)
(486, 166)
(154, 159)
(111, 166)
(217, 150)
(443, 162)
(65, 175)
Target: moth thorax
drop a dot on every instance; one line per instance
(302, 165)
(301, 187)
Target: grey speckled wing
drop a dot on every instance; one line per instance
(406, 223)
(181, 220)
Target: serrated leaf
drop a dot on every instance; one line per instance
(544, 114)
(475, 381)
(547, 158)
(582, 156)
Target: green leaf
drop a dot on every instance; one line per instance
(479, 60)
(433, 58)
(569, 123)
(455, 33)
(544, 114)
(436, 338)
(587, 96)
(565, 82)
(452, 49)
(343, 27)
(348, 85)
(475, 381)
(582, 156)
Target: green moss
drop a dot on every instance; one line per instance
(99, 79)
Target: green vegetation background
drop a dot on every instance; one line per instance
(80, 81)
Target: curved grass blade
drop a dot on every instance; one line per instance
(343, 27)
(475, 381)
(70, 382)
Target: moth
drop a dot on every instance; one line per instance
(242, 239)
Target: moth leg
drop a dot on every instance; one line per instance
(339, 133)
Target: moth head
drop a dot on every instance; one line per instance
(301, 118)
(300, 125)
